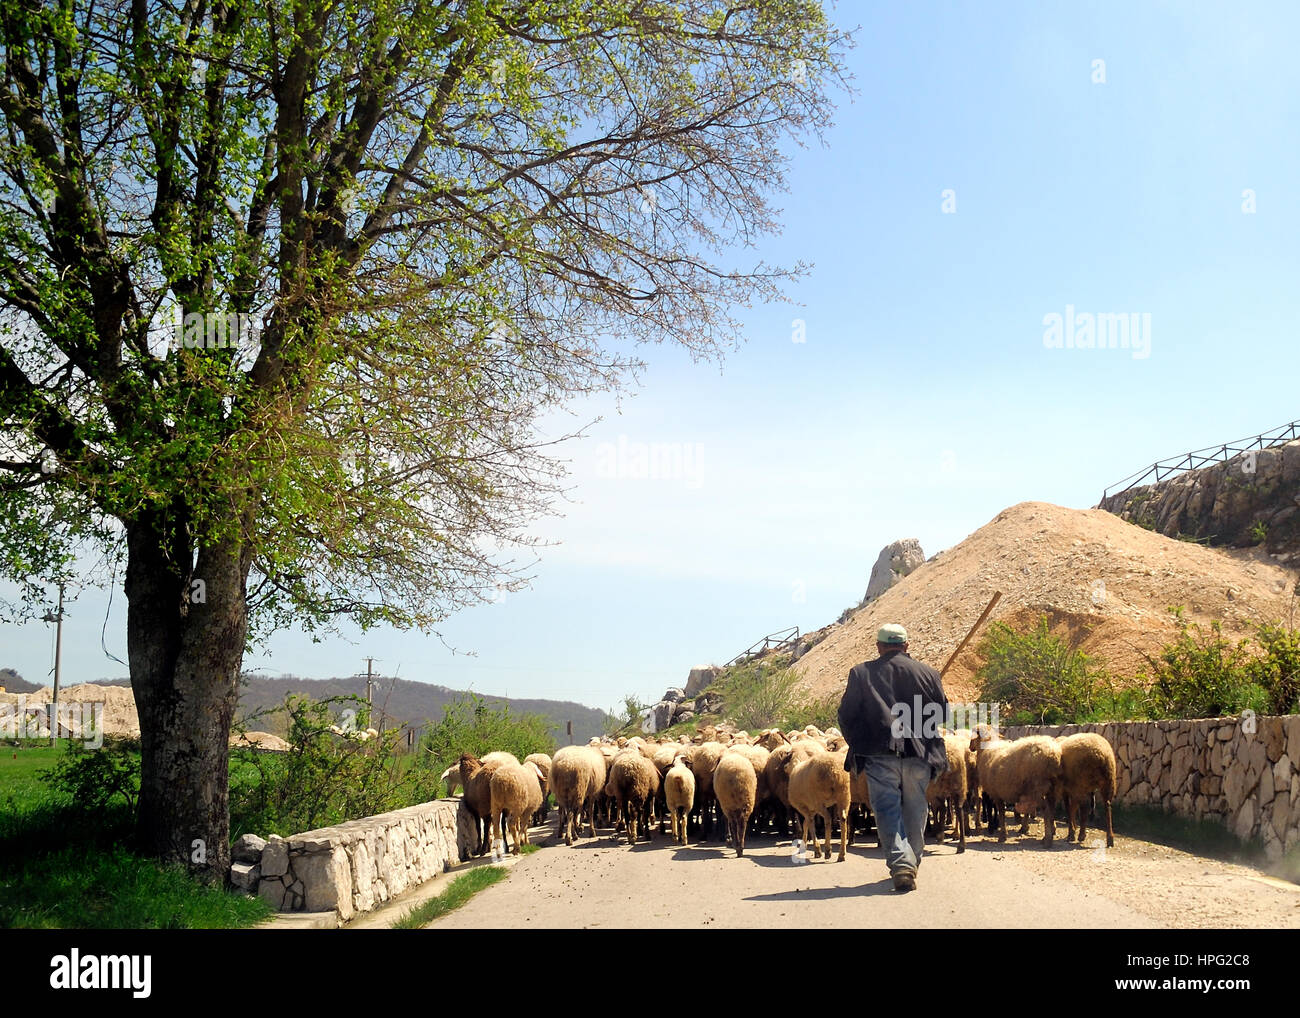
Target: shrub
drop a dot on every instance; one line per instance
(1205, 675)
(1278, 670)
(96, 779)
(330, 773)
(1038, 678)
(473, 725)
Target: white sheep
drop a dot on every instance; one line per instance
(819, 787)
(1024, 772)
(1087, 766)
(736, 786)
(577, 775)
(451, 776)
(516, 794)
(679, 795)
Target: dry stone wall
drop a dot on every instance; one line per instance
(355, 866)
(1240, 771)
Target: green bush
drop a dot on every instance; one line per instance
(1039, 679)
(473, 725)
(1205, 675)
(94, 779)
(764, 693)
(1278, 670)
(330, 774)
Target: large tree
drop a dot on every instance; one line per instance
(285, 286)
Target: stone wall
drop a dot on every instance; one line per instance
(1252, 499)
(1240, 771)
(355, 866)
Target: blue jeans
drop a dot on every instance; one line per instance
(897, 786)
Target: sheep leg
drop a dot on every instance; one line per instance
(961, 828)
(999, 808)
(1085, 808)
(826, 820)
(1110, 831)
(844, 835)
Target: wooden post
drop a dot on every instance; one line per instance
(966, 639)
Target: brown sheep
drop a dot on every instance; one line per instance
(633, 783)
(1087, 766)
(679, 795)
(544, 765)
(476, 777)
(819, 787)
(577, 774)
(516, 794)
(949, 788)
(1024, 772)
(703, 763)
(736, 786)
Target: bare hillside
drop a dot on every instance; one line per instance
(1100, 579)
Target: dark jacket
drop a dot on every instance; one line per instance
(894, 695)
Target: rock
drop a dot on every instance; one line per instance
(247, 848)
(275, 857)
(895, 561)
(663, 714)
(700, 677)
(271, 890)
(686, 715)
(326, 882)
(245, 877)
(1245, 822)
(674, 695)
(1273, 736)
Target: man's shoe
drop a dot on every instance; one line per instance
(904, 880)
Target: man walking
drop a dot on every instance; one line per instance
(890, 717)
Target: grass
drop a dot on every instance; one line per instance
(457, 893)
(114, 889)
(62, 867)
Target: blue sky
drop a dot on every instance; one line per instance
(923, 399)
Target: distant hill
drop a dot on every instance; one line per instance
(401, 701)
(15, 683)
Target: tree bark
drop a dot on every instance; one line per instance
(185, 660)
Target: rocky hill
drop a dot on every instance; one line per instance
(1100, 580)
(1252, 499)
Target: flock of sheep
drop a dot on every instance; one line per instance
(764, 782)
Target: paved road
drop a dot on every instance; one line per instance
(600, 884)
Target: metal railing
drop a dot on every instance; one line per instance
(780, 640)
(1198, 458)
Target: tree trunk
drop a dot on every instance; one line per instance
(185, 656)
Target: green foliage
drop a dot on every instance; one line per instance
(1038, 678)
(459, 891)
(623, 719)
(331, 773)
(1204, 675)
(1258, 532)
(473, 725)
(113, 889)
(764, 693)
(94, 779)
(66, 830)
(1278, 670)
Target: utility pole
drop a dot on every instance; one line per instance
(58, 653)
